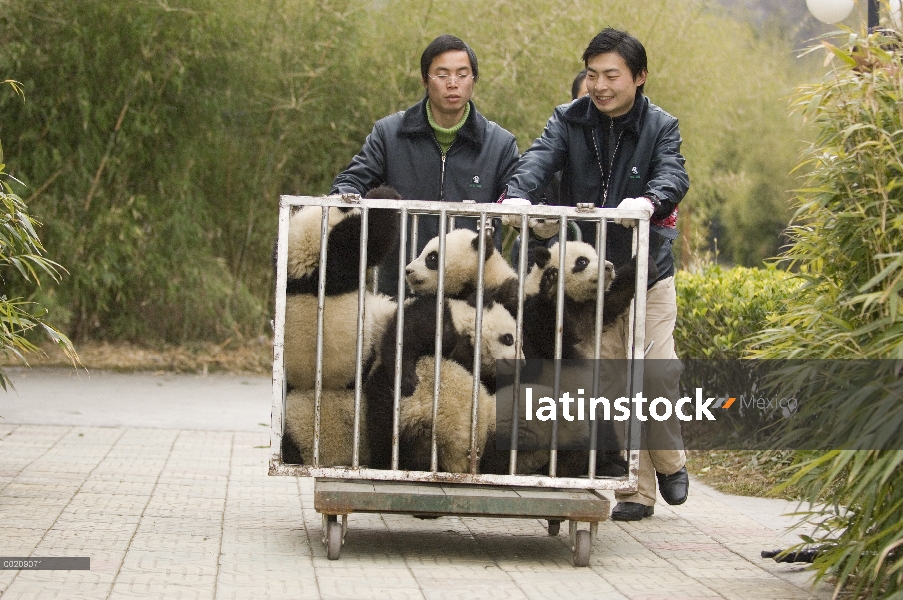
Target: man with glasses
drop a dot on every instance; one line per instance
(439, 149)
(617, 149)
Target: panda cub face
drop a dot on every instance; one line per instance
(581, 271)
(498, 332)
(461, 265)
(422, 273)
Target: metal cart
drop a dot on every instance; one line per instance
(342, 490)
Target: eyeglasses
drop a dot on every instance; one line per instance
(448, 78)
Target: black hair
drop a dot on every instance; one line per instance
(578, 81)
(625, 45)
(440, 45)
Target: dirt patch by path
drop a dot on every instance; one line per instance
(232, 356)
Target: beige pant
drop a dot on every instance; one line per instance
(661, 315)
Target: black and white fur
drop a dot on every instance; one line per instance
(341, 302)
(339, 323)
(453, 418)
(534, 437)
(336, 428)
(581, 285)
(462, 261)
(498, 329)
(581, 279)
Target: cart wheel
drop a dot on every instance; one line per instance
(334, 540)
(554, 526)
(581, 549)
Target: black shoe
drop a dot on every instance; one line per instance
(631, 511)
(674, 488)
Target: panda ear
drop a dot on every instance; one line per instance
(488, 301)
(490, 245)
(383, 192)
(541, 256)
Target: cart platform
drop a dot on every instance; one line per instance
(342, 497)
(334, 497)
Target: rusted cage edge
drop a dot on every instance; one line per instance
(625, 484)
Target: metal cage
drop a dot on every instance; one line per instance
(409, 211)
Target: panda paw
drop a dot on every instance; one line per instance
(548, 285)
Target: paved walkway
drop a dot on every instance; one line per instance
(161, 481)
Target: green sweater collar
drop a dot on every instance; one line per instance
(446, 137)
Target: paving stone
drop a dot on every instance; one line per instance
(272, 588)
(193, 514)
(129, 589)
(341, 586)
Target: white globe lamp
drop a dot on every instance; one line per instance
(830, 11)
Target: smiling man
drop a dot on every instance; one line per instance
(439, 149)
(617, 149)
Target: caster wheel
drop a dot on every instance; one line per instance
(334, 540)
(554, 526)
(581, 549)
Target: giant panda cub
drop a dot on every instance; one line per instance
(461, 264)
(581, 278)
(581, 275)
(498, 329)
(339, 323)
(453, 418)
(341, 303)
(336, 428)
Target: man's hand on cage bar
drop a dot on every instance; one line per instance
(541, 228)
(641, 203)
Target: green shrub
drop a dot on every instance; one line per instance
(719, 308)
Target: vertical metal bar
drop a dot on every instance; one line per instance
(399, 335)
(641, 244)
(437, 365)
(278, 411)
(359, 346)
(415, 231)
(632, 312)
(603, 241)
(873, 15)
(519, 339)
(477, 343)
(597, 347)
(636, 345)
(321, 297)
(559, 333)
